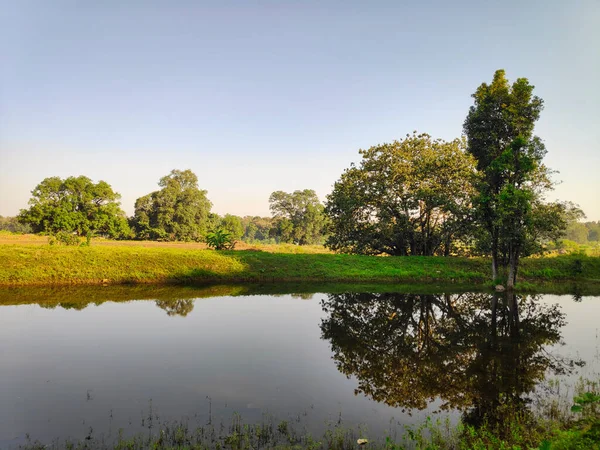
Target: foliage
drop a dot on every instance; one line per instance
(583, 232)
(478, 352)
(299, 216)
(62, 237)
(220, 240)
(513, 179)
(233, 225)
(259, 229)
(176, 307)
(13, 225)
(410, 197)
(178, 211)
(75, 205)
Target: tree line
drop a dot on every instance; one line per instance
(485, 192)
(481, 194)
(178, 211)
(583, 232)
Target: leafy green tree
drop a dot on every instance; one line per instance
(501, 114)
(178, 211)
(250, 232)
(258, 228)
(512, 177)
(233, 225)
(410, 197)
(262, 229)
(284, 228)
(75, 205)
(299, 216)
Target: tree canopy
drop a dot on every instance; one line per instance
(299, 216)
(410, 197)
(178, 211)
(512, 177)
(75, 205)
(233, 225)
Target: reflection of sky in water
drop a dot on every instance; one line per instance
(66, 370)
(581, 339)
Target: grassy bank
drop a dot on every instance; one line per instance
(23, 265)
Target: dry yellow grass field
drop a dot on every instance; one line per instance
(33, 239)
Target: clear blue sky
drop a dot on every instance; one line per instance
(277, 95)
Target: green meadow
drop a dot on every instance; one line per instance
(27, 265)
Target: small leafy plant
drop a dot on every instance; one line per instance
(220, 240)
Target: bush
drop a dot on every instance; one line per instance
(220, 240)
(64, 238)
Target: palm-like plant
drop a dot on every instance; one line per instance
(220, 240)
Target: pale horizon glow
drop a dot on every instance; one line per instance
(259, 97)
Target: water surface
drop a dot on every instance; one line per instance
(382, 360)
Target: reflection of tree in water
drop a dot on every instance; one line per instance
(304, 296)
(476, 352)
(176, 307)
(73, 305)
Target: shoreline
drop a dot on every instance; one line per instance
(46, 266)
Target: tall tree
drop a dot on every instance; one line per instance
(410, 197)
(75, 205)
(178, 211)
(299, 215)
(513, 179)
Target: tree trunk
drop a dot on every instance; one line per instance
(494, 265)
(516, 268)
(494, 255)
(513, 262)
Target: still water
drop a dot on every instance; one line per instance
(380, 360)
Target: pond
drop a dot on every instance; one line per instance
(79, 361)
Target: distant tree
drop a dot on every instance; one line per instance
(284, 229)
(594, 231)
(233, 225)
(299, 216)
(75, 205)
(577, 232)
(258, 228)
(13, 225)
(410, 197)
(250, 232)
(547, 224)
(512, 177)
(178, 211)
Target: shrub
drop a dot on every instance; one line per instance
(220, 240)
